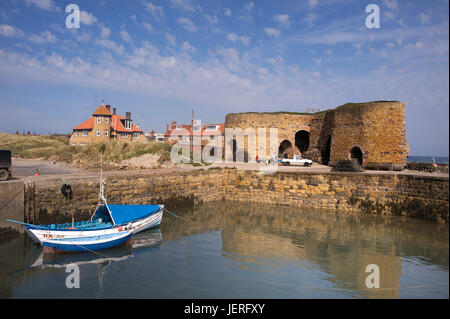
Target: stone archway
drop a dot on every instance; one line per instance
(356, 153)
(326, 154)
(302, 141)
(286, 148)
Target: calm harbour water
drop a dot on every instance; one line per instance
(241, 250)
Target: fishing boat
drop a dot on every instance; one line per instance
(92, 243)
(106, 219)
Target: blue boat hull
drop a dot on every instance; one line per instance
(83, 246)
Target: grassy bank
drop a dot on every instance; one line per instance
(58, 148)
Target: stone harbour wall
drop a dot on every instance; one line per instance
(407, 195)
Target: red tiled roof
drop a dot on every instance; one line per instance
(118, 125)
(86, 125)
(102, 110)
(186, 130)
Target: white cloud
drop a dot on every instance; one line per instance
(249, 6)
(111, 45)
(318, 61)
(272, 32)
(310, 18)
(83, 37)
(283, 19)
(185, 5)
(105, 32)
(47, 5)
(187, 24)
(187, 47)
(156, 11)
(125, 36)
(147, 26)
(10, 31)
(232, 37)
(44, 37)
(170, 38)
(275, 61)
(87, 18)
(245, 39)
(391, 4)
(424, 18)
(313, 3)
(212, 19)
(228, 12)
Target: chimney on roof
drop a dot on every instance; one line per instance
(114, 110)
(108, 107)
(128, 115)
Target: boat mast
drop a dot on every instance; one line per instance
(102, 182)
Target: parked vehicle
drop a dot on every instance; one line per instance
(297, 160)
(5, 165)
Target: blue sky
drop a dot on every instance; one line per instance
(161, 58)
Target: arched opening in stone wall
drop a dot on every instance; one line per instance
(234, 149)
(356, 153)
(327, 152)
(302, 140)
(286, 148)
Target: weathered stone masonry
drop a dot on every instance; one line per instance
(414, 196)
(374, 132)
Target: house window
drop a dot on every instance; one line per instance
(124, 135)
(136, 135)
(179, 127)
(211, 128)
(196, 128)
(76, 133)
(106, 120)
(85, 133)
(211, 138)
(128, 124)
(98, 132)
(106, 133)
(99, 119)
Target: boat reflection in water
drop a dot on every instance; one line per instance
(150, 238)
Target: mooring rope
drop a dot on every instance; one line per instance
(173, 214)
(7, 202)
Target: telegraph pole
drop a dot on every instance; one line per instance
(192, 137)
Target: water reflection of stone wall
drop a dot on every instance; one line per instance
(341, 244)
